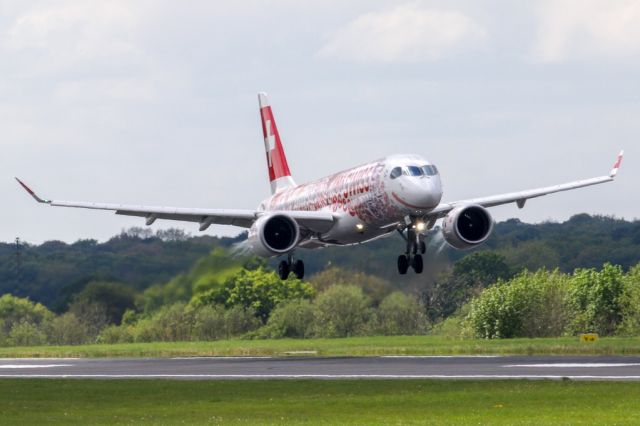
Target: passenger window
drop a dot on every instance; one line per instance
(415, 171)
(396, 172)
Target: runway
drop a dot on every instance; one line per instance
(393, 367)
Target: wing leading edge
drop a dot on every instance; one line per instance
(313, 221)
(521, 197)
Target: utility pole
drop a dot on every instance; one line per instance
(18, 261)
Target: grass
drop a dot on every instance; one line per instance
(318, 402)
(355, 346)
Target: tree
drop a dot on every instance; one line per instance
(113, 298)
(15, 310)
(258, 290)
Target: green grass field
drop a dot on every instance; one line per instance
(318, 402)
(356, 346)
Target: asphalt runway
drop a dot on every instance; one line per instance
(392, 367)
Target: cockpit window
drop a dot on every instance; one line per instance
(396, 172)
(430, 170)
(415, 171)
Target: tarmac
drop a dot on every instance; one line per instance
(385, 367)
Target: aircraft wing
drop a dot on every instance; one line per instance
(521, 197)
(313, 221)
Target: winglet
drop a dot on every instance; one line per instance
(616, 165)
(33, 194)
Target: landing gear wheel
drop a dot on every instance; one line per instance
(403, 264)
(418, 264)
(298, 269)
(423, 247)
(283, 270)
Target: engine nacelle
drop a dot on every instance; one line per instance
(273, 235)
(467, 226)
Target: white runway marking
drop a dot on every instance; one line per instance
(315, 376)
(222, 357)
(440, 356)
(37, 359)
(16, 366)
(574, 365)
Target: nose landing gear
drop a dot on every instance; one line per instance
(416, 247)
(290, 265)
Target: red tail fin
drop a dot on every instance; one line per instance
(279, 174)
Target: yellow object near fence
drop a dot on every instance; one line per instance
(589, 337)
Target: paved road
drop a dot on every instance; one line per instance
(575, 368)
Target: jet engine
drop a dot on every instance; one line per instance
(273, 235)
(467, 226)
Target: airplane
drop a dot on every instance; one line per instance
(396, 194)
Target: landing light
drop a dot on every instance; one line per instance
(360, 227)
(421, 226)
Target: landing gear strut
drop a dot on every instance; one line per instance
(290, 265)
(416, 247)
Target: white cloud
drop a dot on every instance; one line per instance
(587, 29)
(72, 30)
(408, 33)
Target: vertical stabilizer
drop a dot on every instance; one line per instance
(279, 174)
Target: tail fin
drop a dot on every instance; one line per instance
(279, 174)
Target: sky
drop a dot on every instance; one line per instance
(154, 102)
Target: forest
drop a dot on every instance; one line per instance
(541, 280)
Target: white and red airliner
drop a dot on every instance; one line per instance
(400, 193)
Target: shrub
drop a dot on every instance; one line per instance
(116, 334)
(26, 334)
(295, 318)
(209, 323)
(528, 305)
(67, 329)
(595, 300)
(342, 311)
(239, 321)
(630, 304)
(401, 314)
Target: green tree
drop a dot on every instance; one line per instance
(258, 290)
(342, 311)
(15, 310)
(114, 298)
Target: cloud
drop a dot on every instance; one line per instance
(72, 31)
(408, 33)
(582, 29)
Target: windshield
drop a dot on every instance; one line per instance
(430, 170)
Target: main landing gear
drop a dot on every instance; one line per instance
(416, 247)
(290, 265)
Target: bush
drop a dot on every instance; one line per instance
(528, 305)
(239, 321)
(116, 334)
(342, 311)
(67, 329)
(295, 319)
(209, 323)
(26, 334)
(630, 304)
(401, 314)
(596, 300)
